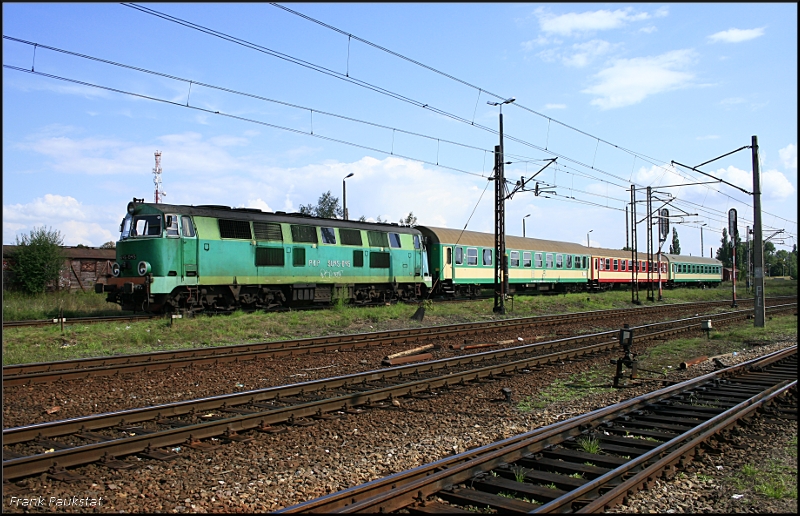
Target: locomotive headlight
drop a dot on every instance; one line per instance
(143, 268)
(130, 208)
(115, 270)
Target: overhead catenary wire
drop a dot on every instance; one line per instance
(549, 119)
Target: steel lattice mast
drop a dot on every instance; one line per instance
(159, 193)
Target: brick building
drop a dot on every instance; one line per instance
(83, 267)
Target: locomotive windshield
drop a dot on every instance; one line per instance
(125, 227)
(146, 225)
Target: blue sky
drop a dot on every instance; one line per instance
(615, 91)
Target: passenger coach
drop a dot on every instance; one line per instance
(462, 262)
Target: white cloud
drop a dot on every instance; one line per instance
(649, 29)
(584, 53)
(774, 184)
(736, 35)
(257, 203)
(788, 156)
(77, 223)
(578, 23)
(629, 81)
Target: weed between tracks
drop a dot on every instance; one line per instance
(23, 345)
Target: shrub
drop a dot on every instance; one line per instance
(38, 259)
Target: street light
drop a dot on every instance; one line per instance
(523, 224)
(701, 240)
(344, 194)
(587, 238)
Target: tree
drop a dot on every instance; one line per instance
(675, 246)
(109, 245)
(38, 259)
(327, 207)
(410, 220)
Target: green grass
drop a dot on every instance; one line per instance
(23, 345)
(774, 481)
(577, 386)
(589, 444)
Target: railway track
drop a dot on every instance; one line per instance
(39, 448)
(589, 463)
(79, 320)
(43, 372)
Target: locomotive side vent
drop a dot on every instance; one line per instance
(379, 260)
(304, 233)
(268, 231)
(269, 256)
(239, 229)
(350, 236)
(378, 239)
(358, 258)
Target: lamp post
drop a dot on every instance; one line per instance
(701, 241)
(344, 194)
(587, 238)
(523, 224)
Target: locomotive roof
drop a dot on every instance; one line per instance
(474, 238)
(226, 212)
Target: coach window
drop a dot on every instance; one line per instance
(526, 259)
(472, 256)
(597, 264)
(585, 262)
(622, 265)
(608, 264)
(487, 256)
(449, 256)
(537, 260)
(569, 261)
(394, 240)
(548, 260)
(559, 261)
(616, 265)
(328, 235)
(459, 255)
(514, 259)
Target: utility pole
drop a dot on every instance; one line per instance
(634, 251)
(650, 291)
(499, 228)
(758, 246)
(747, 285)
(500, 263)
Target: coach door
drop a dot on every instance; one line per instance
(448, 263)
(189, 248)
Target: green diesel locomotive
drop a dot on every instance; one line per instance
(196, 258)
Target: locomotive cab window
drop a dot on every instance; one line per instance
(487, 256)
(187, 228)
(172, 225)
(394, 240)
(526, 259)
(472, 256)
(416, 242)
(514, 259)
(125, 227)
(328, 235)
(147, 225)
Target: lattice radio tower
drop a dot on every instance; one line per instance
(159, 193)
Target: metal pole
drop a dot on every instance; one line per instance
(733, 272)
(758, 245)
(499, 229)
(344, 198)
(701, 241)
(650, 293)
(627, 240)
(523, 227)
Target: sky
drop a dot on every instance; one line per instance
(253, 105)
